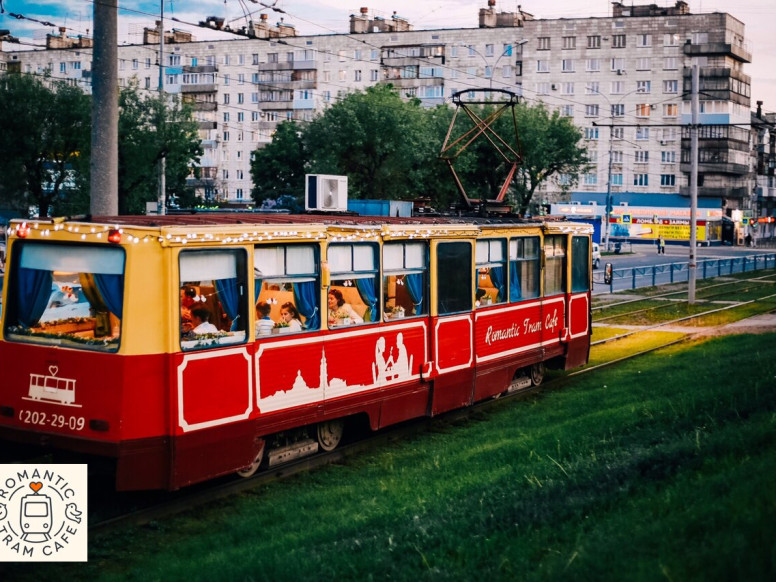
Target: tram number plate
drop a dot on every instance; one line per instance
(520, 383)
(52, 420)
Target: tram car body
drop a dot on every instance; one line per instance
(208, 340)
(35, 517)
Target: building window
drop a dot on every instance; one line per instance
(542, 66)
(643, 40)
(542, 88)
(567, 110)
(592, 110)
(593, 65)
(569, 42)
(644, 64)
(616, 180)
(643, 110)
(592, 88)
(618, 87)
(567, 89)
(618, 41)
(671, 86)
(671, 64)
(641, 179)
(618, 110)
(643, 86)
(618, 133)
(594, 42)
(374, 75)
(671, 39)
(642, 133)
(567, 65)
(641, 157)
(670, 110)
(226, 98)
(543, 43)
(617, 157)
(618, 65)
(667, 157)
(590, 179)
(226, 116)
(668, 179)
(591, 133)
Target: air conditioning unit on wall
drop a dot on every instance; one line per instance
(326, 192)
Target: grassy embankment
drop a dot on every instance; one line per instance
(656, 469)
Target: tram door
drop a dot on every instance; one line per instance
(452, 326)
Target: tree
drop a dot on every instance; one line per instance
(551, 144)
(45, 130)
(278, 169)
(149, 128)
(373, 137)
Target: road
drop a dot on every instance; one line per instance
(650, 266)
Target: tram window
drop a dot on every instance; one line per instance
(490, 272)
(524, 268)
(68, 295)
(283, 275)
(580, 264)
(352, 296)
(554, 265)
(213, 308)
(454, 279)
(405, 279)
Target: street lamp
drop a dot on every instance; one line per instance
(506, 51)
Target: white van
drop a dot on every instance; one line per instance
(596, 255)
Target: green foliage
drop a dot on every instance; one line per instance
(389, 149)
(375, 138)
(551, 146)
(278, 169)
(45, 146)
(44, 129)
(142, 143)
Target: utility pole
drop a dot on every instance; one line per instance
(161, 204)
(692, 266)
(104, 162)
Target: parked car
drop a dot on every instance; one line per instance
(596, 255)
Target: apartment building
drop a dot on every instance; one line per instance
(624, 80)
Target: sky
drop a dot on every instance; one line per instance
(332, 16)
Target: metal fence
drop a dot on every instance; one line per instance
(649, 276)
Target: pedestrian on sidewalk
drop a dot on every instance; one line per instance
(661, 245)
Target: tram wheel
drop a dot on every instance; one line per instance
(537, 373)
(251, 469)
(330, 434)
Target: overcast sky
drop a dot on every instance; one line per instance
(332, 16)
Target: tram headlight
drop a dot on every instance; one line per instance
(114, 236)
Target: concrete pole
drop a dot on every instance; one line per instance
(161, 206)
(608, 209)
(104, 161)
(694, 106)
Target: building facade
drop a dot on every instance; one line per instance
(625, 80)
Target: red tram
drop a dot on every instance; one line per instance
(187, 347)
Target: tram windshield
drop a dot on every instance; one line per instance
(69, 295)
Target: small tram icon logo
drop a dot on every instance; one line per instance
(43, 513)
(50, 388)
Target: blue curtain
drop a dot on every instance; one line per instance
(230, 300)
(307, 303)
(111, 287)
(34, 292)
(497, 278)
(515, 293)
(366, 288)
(414, 283)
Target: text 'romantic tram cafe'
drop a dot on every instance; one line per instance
(645, 218)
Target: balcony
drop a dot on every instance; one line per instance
(200, 69)
(718, 48)
(206, 88)
(208, 125)
(718, 168)
(712, 192)
(204, 105)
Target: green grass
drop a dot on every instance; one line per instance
(661, 468)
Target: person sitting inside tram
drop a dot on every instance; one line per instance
(188, 298)
(339, 311)
(290, 317)
(264, 323)
(200, 319)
